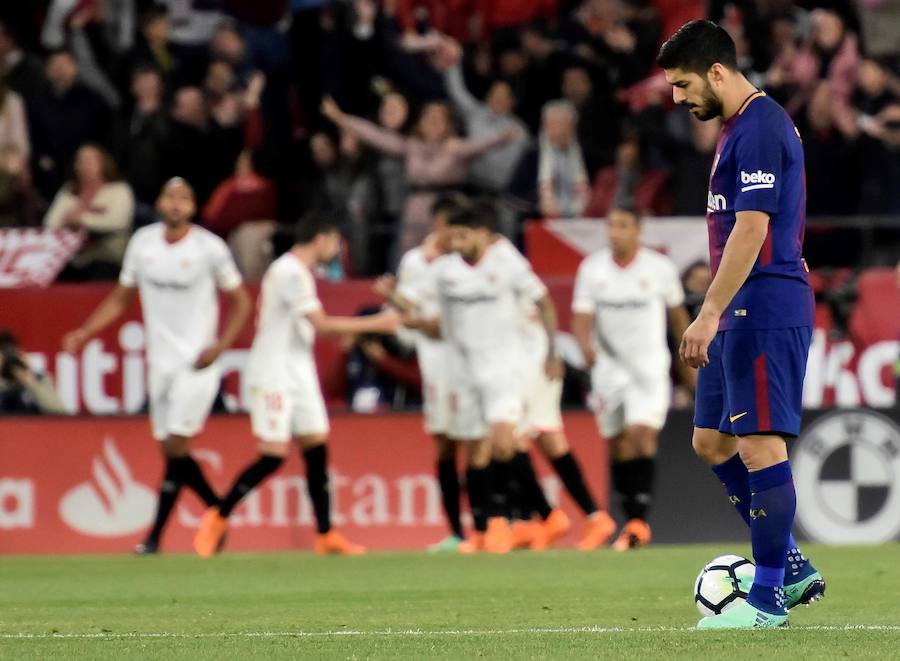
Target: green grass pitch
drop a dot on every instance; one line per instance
(555, 605)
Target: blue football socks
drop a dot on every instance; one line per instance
(734, 476)
(773, 503)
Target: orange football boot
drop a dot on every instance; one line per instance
(474, 544)
(209, 538)
(635, 534)
(524, 533)
(598, 530)
(499, 536)
(556, 526)
(333, 542)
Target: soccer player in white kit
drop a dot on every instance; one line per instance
(406, 293)
(285, 396)
(623, 296)
(178, 268)
(480, 287)
(543, 423)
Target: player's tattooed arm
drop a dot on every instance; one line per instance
(111, 308)
(740, 254)
(583, 330)
(238, 313)
(553, 365)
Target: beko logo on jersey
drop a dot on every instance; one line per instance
(757, 180)
(715, 202)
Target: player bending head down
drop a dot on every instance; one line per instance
(751, 337)
(480, 287)
(285, 397)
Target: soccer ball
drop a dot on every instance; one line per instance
(723, 583)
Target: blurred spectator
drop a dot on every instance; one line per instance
(141, 137)
(13, 123)
(620, 42)
(97, 201)
(831, 54)
(598, 131)
(631, 183)
(688, 147)
(540, 80)
(67, 116)
(83, 49)
(393, 115)
(153, 49)
(832, 165)
(877, 107)
(492, 170)
(24, 71)
(346, 190)
(199, 147)
(436, 160)
(695, 280)
(561, 178)
(243, 209)
(22, 389)
(19, 202)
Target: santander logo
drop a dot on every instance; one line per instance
(112, 503)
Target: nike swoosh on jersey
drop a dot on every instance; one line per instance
(738, 416)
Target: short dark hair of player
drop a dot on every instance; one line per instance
(627, 209)
(312, 225)
(696, 46)
(448, 204)
(480, 214)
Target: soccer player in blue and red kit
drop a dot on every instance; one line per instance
(752, 336)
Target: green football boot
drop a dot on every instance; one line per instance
(743, 616)
(810, 589)
(447, 545)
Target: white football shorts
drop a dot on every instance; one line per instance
(180, 400)
(620, 400)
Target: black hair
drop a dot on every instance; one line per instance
(7, 339)
(61, 51)
(312, 225)
(448, 204)
(480, 214)
(696, 46)
(629, 208)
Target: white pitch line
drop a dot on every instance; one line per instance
(109, 635)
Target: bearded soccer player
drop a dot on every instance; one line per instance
(752, 336)
(285, 397)
(177, 267)
(480, 287)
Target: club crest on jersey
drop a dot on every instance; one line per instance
(715, 202)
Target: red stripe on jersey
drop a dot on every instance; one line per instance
(765, 252)
(761, 374)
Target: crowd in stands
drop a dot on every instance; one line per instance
(370, 109)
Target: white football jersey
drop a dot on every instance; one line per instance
(481, 303)
(629, 304)
(415, 284)
(535, 343)
(282, 351)
(177, 283)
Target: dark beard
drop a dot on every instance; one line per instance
(712, 106)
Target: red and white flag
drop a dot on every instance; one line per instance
(34, 256)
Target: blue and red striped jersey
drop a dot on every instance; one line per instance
(759, 167)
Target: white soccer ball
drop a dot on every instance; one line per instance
(723, 583)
